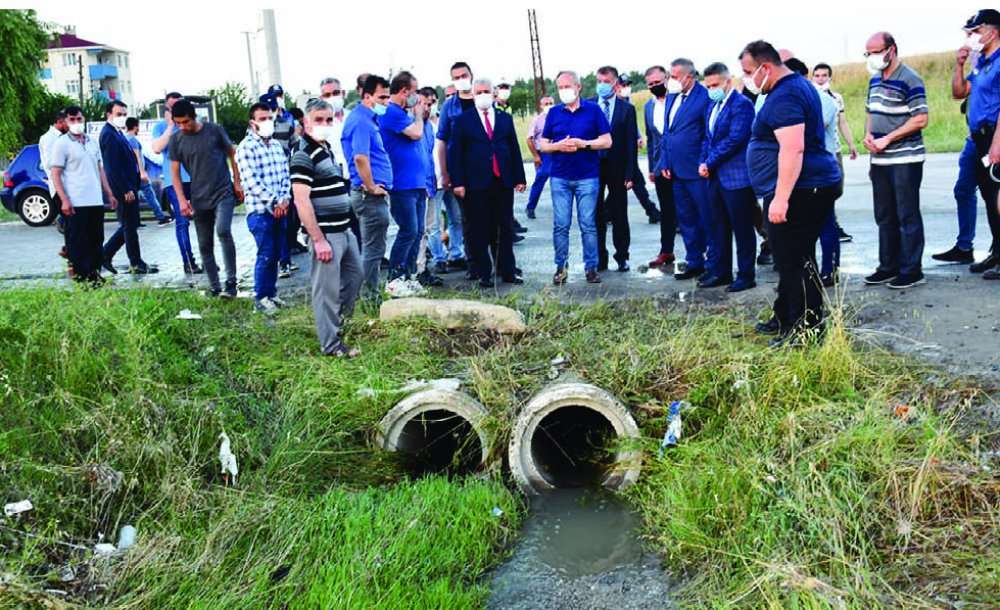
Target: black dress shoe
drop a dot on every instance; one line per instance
(530, 214)
(714, 282)
(623, 267)
(517, 238)
(593, 277)
(986, 264)
(514, 279)
(110, 267)
(143, 269)
(689, 274)
(486, 283)
(992, 274)
(955, 255)
(520, 229)
(771, 327)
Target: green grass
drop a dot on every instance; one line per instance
(794, 485)
(7, 216)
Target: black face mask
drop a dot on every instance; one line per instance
(658, 90)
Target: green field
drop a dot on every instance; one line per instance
(797, 484)
(945, 133)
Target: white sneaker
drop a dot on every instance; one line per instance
(265, 306)
(278, 302)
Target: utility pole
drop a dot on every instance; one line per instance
(254, 89)
(271, 44)
(536, 57)
(79, 69)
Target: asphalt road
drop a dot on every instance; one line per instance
(952, 320)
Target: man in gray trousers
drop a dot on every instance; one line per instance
(322, 199)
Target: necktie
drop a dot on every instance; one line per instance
(607, 110)
(489, 134)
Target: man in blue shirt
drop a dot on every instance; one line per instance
(162, 132)
(371, 175)
(402, 128)
(574, 132)
(796, 176)
(982, 88)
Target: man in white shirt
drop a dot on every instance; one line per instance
(656, 120)
(58, 128)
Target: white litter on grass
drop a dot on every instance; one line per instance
(187, 314)
(682, 296)
(227, 460)
(497, 512)
(400, 288)
(104, 549)
(558, 360)
(126, 537)
(553, 373)
(741, 384)
(448, 383)
(674, 426)
(16, 508)
(365, 393)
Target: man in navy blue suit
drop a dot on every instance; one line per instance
(122, 171)
(724, 162)
(680, 150)
(616, 170)
(484, 163)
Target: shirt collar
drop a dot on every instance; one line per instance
(983, 59)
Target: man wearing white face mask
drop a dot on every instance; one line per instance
(264, 169)
(897, 113)
(453, 107)
(502, 93)
(332, 93)
(123, 177)
(982, 88)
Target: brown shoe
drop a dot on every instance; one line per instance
(593, 277)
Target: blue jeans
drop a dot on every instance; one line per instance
(181, 223)
(829, 244)
(149, 194)
(538, 184)
(563, 193)
(965, 195)
(267, 232)
(694, 217)
(456, 238)
(407, 208)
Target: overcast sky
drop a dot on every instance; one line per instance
(203, 47)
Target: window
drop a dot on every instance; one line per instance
(73, 87)
(126, 61)
(69, 59)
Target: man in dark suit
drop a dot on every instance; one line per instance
(122, 171)
(655, 112)
(616, 170)
(680, 150)
(724, 162)
(485, 167)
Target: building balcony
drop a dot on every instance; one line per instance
(102, 71)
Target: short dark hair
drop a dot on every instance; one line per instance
(762, 52)
(297, 114)
(173, 95)
(716, 68)
(60, 115)
(797, 65)
(183, 107)
(258, 106)
(372, 83)
(403, 80)
(605, 70)
(652, 69)
(460, 64)
(823, 66)
(73, 111)
(362, 78)
(111, 106)
(889, 41)
(131, 123)
(428, 91)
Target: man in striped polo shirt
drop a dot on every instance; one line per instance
(322, 198)
(897, 113)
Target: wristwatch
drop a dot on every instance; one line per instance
(587, 146)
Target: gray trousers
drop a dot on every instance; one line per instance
(373, 217)
(896, 193)
(209, 223)
(335, 287)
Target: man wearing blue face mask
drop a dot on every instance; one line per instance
(616, 170)
(371, 175)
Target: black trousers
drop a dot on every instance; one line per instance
(989, 190)
(668, 214)
(84, 236)
(800, 298)
(127, 233)
(292, 227)
(896, 193)
(489, 215)
(612, 206)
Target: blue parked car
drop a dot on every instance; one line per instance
(25, 189)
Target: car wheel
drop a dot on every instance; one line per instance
(35, 208)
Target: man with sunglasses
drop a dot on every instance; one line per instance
(371, 175)
(982, 88)
(897, 114)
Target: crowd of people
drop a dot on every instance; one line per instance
(730, 160)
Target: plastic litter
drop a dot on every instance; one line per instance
(400, 288)
(187, 314)
(126, 537)
(558, 360)
(674, 425)
(682, 296)
(16, 508)
(365, 393)
(447, 383)
(104, 548)
(497, 512)
(228, 461)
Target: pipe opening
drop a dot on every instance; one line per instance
(439, 441)
(571, 447)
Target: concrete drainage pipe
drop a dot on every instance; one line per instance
(438, 431)
(561, 439)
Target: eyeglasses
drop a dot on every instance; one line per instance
(870, 53)
(333, 93)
